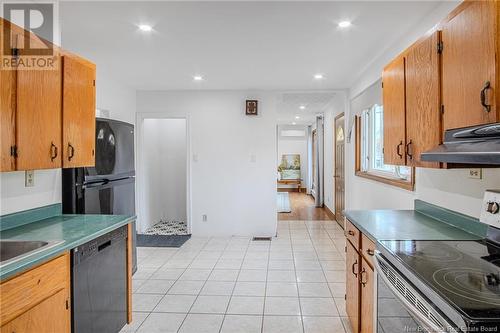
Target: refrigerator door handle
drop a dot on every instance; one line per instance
(96, 184)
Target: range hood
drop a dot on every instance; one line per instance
(470, 145)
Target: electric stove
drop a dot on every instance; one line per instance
(463, 274)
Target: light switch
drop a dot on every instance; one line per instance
(195, 157)
(253, 158)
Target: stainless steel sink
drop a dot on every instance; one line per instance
(14, 250)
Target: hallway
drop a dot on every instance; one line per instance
(303, 209)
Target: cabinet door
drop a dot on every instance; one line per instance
(49, 316)
(38, 130)
(78, 113)
(393, 80)
(7, 119)
(469, 48)
(352, 286)
(423, 106)
(367, 297)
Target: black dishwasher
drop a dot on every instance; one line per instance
(99, 284)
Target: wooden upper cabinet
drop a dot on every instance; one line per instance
(367, 281)
(469, 48)
(353, 265)
(7, 120)
(78, 112)
(38, 118)
(393, 80)
(423, 104)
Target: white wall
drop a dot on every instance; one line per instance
(293, 145)
(163, 150)
(233, 161)
(451, 189)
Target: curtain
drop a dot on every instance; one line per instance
(319, 181)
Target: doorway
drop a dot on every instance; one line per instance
(163, 173)
(339, 175)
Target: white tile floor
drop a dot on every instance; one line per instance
(295, 283)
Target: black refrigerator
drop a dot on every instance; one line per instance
(109, 187)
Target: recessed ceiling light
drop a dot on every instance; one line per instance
(198, 78)
(302, 107)
(344, 24)
(297, 117)
(145, 28)
(294, 123)
(318, 76)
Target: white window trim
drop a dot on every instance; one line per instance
(367, 149)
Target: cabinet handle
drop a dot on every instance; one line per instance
(71, 151)
(53, 151)
(398, 149)
(363, 282)
(351, 233)
(408, 145)
(370, 252)
(486, 107)
(353, 269)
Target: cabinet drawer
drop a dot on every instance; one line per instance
(367, 249)
(352, 234)
(24, 291)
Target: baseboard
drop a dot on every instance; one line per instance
(291, 189)
(329, 212)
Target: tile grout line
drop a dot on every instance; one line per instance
(234, 287)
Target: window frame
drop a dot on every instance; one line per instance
(376, 175)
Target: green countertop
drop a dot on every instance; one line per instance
(426, 222)
(73, 230)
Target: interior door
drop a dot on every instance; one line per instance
(423, 116)
(469, 51)
(78, 113)
(339, 176)
(393, 80)
(352, 286)
(38, 118)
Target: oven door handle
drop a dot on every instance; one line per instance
(421, 319)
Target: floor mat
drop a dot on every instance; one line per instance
(168, 228)
(283, 202)
(161, 240)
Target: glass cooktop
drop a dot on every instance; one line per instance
(465, 273)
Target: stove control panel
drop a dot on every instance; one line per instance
(490, 212)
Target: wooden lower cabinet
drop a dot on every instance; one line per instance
(360, 283)
(352, 286)
(49, 316)
(38, 301)
(366, 279)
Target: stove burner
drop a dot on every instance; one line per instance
(470, 284)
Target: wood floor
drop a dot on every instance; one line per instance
(303, 209)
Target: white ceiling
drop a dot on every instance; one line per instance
(236, 45)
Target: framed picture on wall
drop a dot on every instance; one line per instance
(290, 166)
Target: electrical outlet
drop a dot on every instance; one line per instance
(476, 173)
(204, 217)
(29, 178)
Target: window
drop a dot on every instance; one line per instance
(370, 153)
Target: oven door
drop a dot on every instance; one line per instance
(401, 307)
